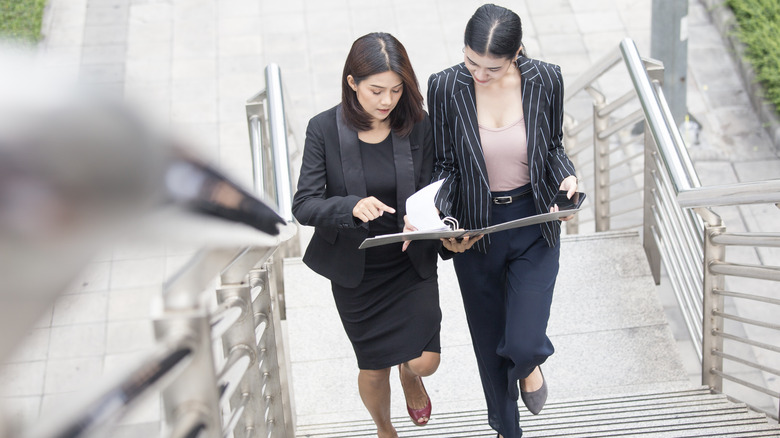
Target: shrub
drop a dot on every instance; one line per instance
(759, 29)
(20, 20)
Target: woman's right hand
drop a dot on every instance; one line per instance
(460, 245)
(368, 209)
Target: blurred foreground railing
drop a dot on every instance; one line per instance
(219, 361)
(636, 159)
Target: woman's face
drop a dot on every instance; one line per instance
(378, 94)
(485, 69)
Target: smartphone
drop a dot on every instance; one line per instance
(565, 203)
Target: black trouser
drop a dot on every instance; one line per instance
(507, 295)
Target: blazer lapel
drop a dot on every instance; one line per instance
(404, 173)
(466, 105)
(351, 161)
(533, 105)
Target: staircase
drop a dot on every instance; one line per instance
(616, 370)
(692, 413)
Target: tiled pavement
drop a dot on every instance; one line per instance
(191, 64)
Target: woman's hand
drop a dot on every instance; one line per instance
(407, 227)
(460, 245)
(368, 209)
(569, 185)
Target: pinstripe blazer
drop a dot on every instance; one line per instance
(465, 193)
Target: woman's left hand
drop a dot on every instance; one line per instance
(407, 227)
(569, 185)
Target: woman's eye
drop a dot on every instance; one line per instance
(376, 93)
(397, 91)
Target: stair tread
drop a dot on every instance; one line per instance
(694, 413)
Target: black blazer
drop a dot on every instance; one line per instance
(465, 193)
(332, 182)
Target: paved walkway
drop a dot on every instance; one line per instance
(191, 64)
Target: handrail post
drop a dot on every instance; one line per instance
(276, 390)
(600, 168)
(712, 325)
(652, 252)
(193, 396)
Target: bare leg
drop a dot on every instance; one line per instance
(423, 366)
(374, 387)
(533, 382)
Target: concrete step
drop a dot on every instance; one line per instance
(615, 372)
(690, 413)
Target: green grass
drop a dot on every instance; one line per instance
(20, 20)
(759, 29)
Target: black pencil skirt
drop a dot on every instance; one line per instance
(393, 315)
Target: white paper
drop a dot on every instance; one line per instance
(421, 210)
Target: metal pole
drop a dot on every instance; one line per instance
(669, 43)
(600, 169)
(712, 325)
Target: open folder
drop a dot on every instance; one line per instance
(422, 212)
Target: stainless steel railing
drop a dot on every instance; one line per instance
(631, 151)
(219, 362)
(272, 145)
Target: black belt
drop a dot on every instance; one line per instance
(501, 200)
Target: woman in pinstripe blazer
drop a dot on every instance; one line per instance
(497, 126)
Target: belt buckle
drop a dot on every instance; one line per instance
(501, 200)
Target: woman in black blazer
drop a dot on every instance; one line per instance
(361, 160)
(497, 122)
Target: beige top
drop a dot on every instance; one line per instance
(506, 156)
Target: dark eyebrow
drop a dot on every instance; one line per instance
(472, 61)
(394, 86)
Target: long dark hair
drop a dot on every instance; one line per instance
(494, 30)
(375, 53)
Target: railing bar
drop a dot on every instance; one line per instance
(692, 323)
(688, 257)
(226, 315)
(746, 296)
(580, 126)
(626, 160)
(190, 426)
(760, 367)
(593, 74)
(168, 359)
(744, 383)
(629, 120)
(255, 140)
(766, 240)
(617, 103)
(581, 149)
(226, 375)
(744, 270)
(683, 259)
(615, 182)
(747, 320)
(619, 212)
(742, 340)
(626, 227)
(235, 415)
(667, 197)
(753, 192)
(278, 131)
(689, 288)
(683, 231)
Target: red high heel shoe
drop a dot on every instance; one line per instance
(416, 414)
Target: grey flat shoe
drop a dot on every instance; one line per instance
(534, 400)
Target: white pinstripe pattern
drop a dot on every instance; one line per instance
(465, 193)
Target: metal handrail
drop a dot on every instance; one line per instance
(680, 230)
(110, 403)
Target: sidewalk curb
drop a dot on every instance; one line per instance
(726, 22)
